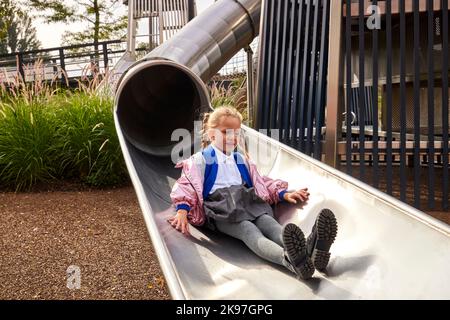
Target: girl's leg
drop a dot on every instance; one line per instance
(270, 228)
(294, 243)
(249, 233)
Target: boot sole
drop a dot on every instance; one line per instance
(295, 245)
(326, 234)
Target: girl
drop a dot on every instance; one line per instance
(222, 190)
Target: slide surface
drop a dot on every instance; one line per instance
(384, 249)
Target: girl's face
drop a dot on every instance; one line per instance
(226, 136)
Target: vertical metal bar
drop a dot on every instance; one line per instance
(174, 16)
(157, 22)
(188, 9)
(304, 80)
(150, 32)
(250, 118)
(166, 25)
(430, 54)
(180, 6)
(151, 23)
(297, 71)
(416, 104)
(20, 66)
(389, 97)
(185, 10)
(349, 96)
(180, 14)
(55, 65)
(161, 21)
(262, 64)
(445, 104)
(402, 102)
(312, 79)
(271, 66)
(173, 11)
(361, 102)
(282, 72)
(375, 102)
(105, 55)
(130, 28)
(320, 94)
(275, 82)
(192, 9)
(271, 28)
(334, 87)
(62, 62)
(170, 14)
(288, 88)
(169, 18)
(164, 20)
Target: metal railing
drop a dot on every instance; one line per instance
(403, 60)
(165, 19)
(61, 63)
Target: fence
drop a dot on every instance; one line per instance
(404, 58)
(292, 72)
(61, 64)
(386, 102)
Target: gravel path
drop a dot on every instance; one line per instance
(100, 232)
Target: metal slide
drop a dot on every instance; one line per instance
(385, 249)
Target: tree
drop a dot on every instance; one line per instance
(3, 13)
(98, 14)
(16, 30)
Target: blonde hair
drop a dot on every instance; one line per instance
(211, 120)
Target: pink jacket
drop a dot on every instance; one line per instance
(188, 189)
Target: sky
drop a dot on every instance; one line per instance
(50, 34)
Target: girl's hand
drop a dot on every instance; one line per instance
(292, 197)
(180, 221)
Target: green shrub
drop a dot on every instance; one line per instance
(48, 133)
(88, 141)
(27, 135)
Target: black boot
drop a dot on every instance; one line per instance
(321, 238)
(296, 252)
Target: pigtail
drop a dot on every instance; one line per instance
(204, 132)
